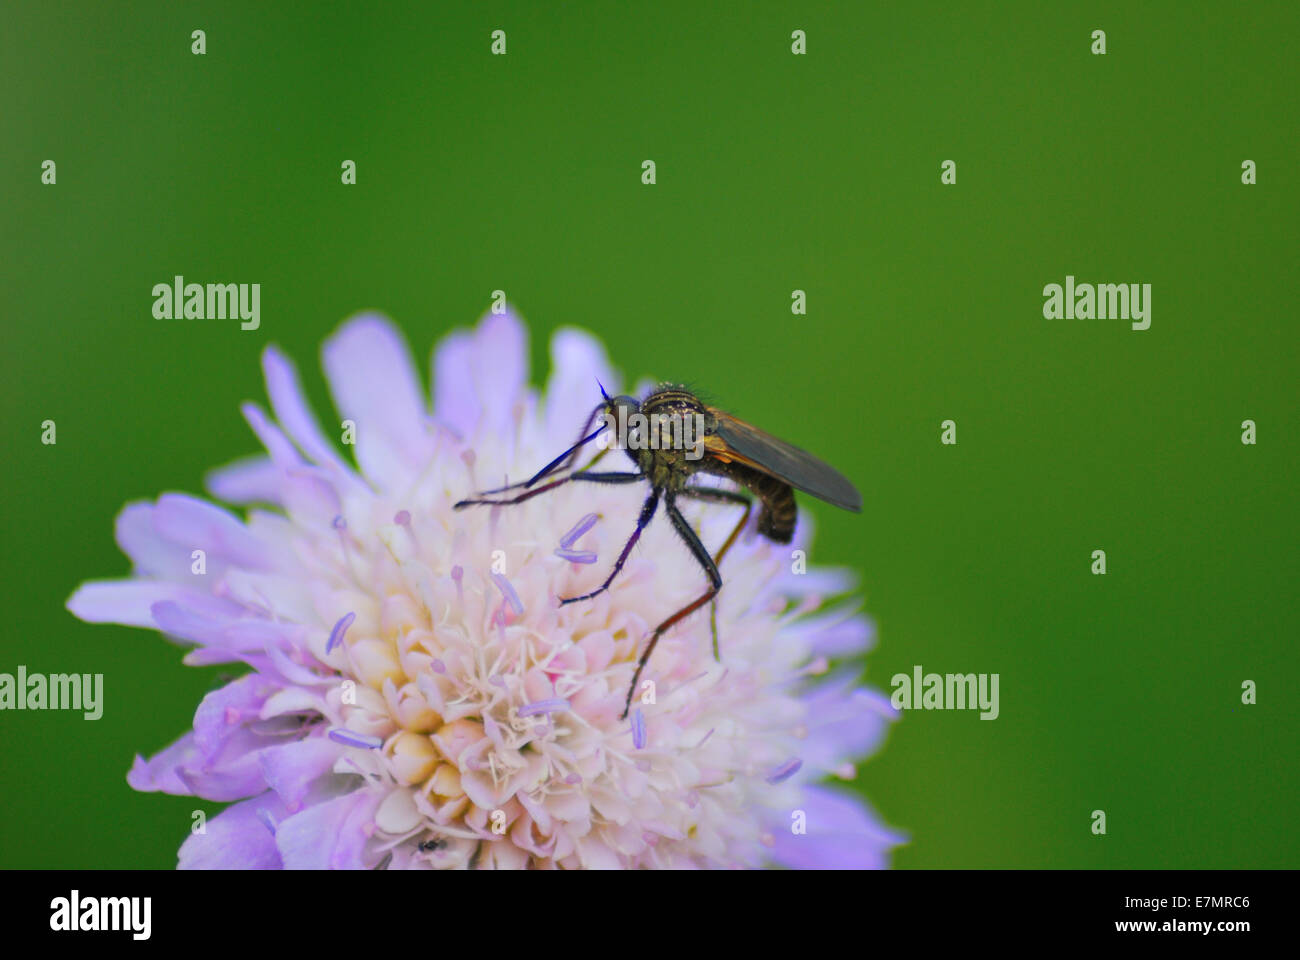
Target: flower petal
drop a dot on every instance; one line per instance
(254, 479)
(842, 835)
(329, 835)
(479, 376)
(578, 362)
(374, 384)
(130, 602)
(197, 524)
(844, 722)
(237, 838)
(290, 407)
(291, 768)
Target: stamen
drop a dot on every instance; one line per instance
(706, 738)
(785, 771)
(508, 591)
(340, 523)
(438, 666)
(554, 705)
(402, 518)
(575, 556)
(496, 680)
(340, 628)
(458, 574)
(350, 739)
(572, 779)
(579, 528)
(638, 728)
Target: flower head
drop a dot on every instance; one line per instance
(417, 698)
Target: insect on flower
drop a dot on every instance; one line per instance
(674, 435)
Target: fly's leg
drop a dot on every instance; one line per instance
(717, 495)
(715, 584)
(647, 512)
(580, 475)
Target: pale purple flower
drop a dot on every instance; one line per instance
(416, 698)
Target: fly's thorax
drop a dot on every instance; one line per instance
(669, 399)
(667, 469)
(675, 423)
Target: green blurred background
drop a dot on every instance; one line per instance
(775, 172)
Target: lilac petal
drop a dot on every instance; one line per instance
(153, 555)
(236, 838)
(234, 636)
(836, 633)
(578, 529)
(824, 581)
(508, 591)
(374, 383)
(131, 602)
(575, 556)
(291, 768)
(329, 835)
(553, 705)
(282, 452)
(254, 479)
(501, 367)
(202, 525)
(310, 495)
(578, 361)
(182, 770)
(455, 402)
(290, 406)
(842, 835)
(844, 722)
(479, 375)
(222, 712)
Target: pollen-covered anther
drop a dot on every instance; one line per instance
(375, 661)
(446, 782)
(412, 757)
(453, 739)
(414, 713)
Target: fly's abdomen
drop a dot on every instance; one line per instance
(778, 514)
(777, 519)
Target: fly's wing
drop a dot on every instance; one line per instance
(736, 440)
